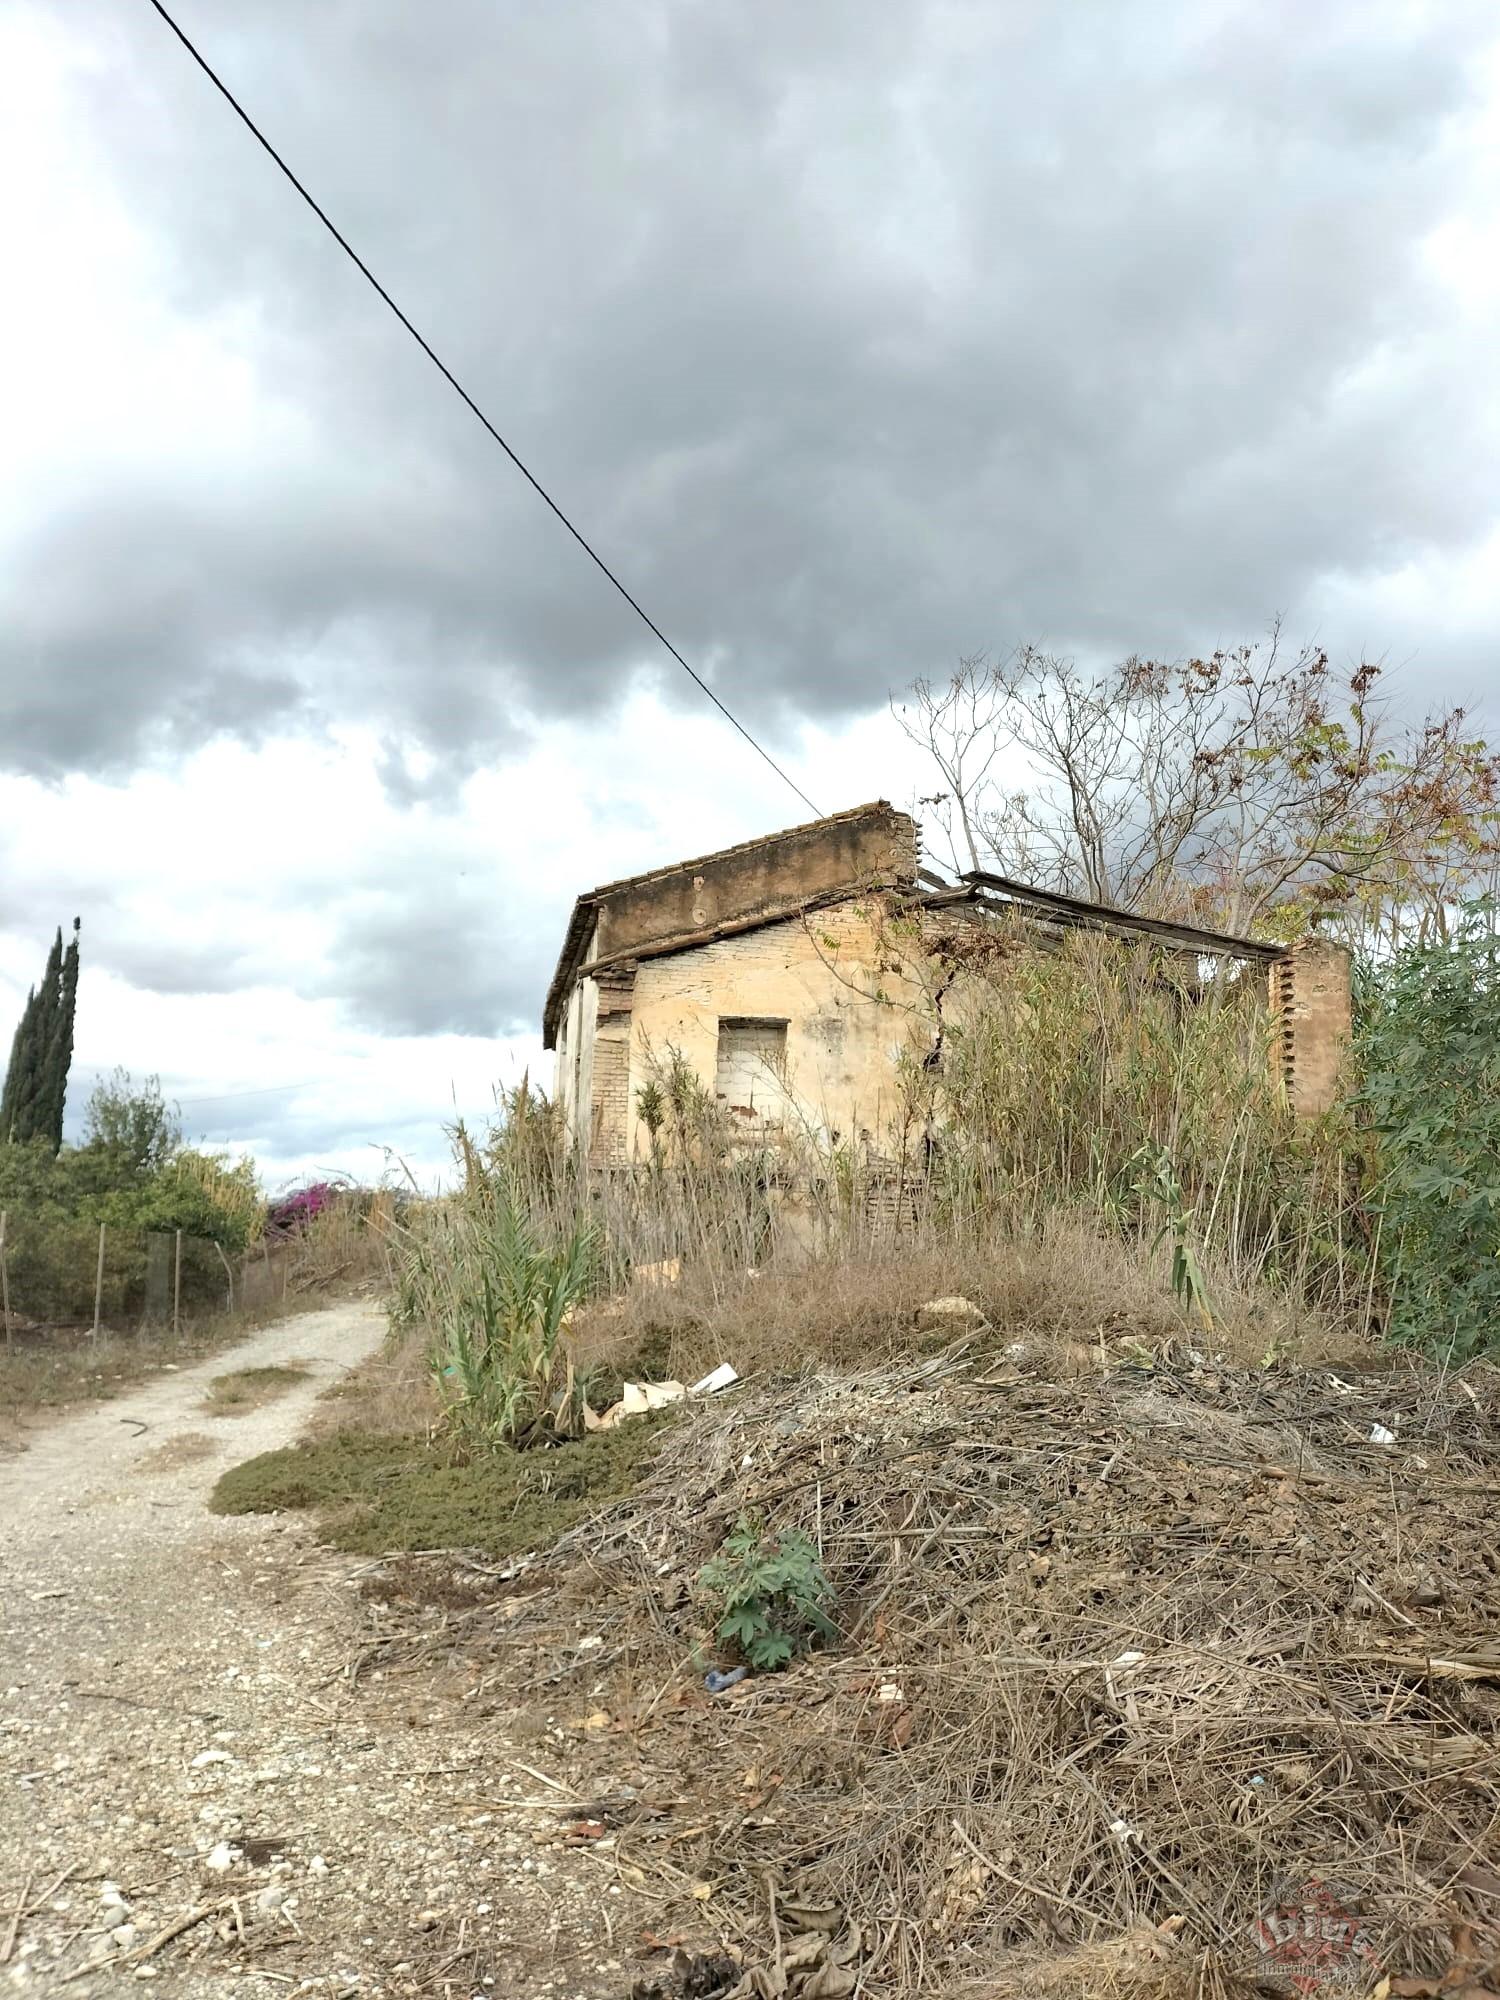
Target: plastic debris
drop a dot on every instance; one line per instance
(954, 1315)
(637, 1399)
(718, 1683)
(716, 1379)
(1380, 1435)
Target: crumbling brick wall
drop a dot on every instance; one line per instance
(609, 1110)
(1310, 998)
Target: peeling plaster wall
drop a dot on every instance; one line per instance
(815, 973)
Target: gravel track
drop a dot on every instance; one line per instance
(179, 1733)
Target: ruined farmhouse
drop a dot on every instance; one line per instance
(766, 967)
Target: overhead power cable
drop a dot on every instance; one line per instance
(447, 373)
(232, 1096)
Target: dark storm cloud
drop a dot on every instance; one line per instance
(857, 337)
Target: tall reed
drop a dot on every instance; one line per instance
(1097, 1085)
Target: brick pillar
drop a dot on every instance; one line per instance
(609, 1112)
(1310, 998)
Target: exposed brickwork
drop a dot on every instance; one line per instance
(609, 1112)
(888, 1195)
(1310, 998)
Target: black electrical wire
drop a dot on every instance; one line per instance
(437, 361)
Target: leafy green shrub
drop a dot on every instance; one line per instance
(131, 1124)
(207, 1195)
(132, 1175)
(771, 1593)
(1428, 1040)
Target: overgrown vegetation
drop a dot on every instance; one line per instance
(497, 1299)
(1089, 1130)
(373, 1494)
(1429, 1051)
(1109, 1081)
(1097, 1094)
(770, 1595)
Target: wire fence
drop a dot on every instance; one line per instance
(65, 1272)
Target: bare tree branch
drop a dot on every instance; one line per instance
(1247, 787)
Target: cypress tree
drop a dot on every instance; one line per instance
(20, 1076)
(36, 1083)
(61, 1054)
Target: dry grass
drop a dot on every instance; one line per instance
(247, 1389)
(1072, 1292)
(347, 1243)
(1143, 1654)
(187, 1448)
(390, 1394)
(52, 1369)
(1147, 1963)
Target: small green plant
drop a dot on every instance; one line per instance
(771, 1593)
(651, 1105)
(1154, 1179)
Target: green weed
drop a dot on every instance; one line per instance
(1428, 1040)
(770, 1592)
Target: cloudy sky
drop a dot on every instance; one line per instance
(858, 336)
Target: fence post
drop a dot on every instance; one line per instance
(99, 1283)
(177, 1288)
(5, 1282)
(229, 1270)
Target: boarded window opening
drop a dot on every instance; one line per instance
(750, 1074)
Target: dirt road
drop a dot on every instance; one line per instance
(181, 1747)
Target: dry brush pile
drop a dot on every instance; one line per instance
(1183, 1656)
